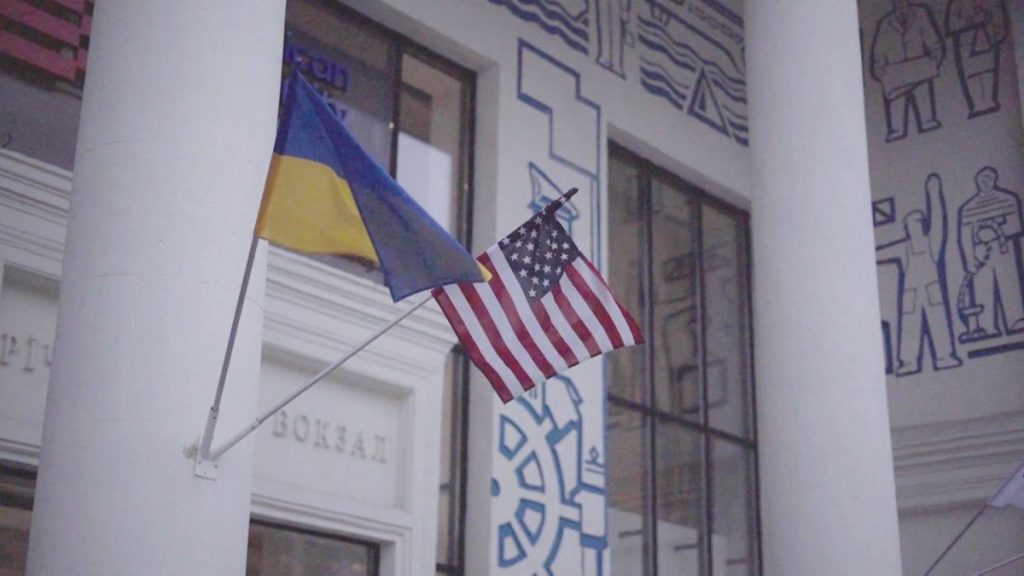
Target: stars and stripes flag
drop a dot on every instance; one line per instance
(545, 308)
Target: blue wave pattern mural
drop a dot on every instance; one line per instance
(566, 19)
(690, 53)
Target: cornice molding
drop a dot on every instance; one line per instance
(312, 310)
(953, 463)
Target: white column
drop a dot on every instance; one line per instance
(827, 484)
(177, 126)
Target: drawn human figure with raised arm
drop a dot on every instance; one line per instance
(906, 53)
(989, 239)
(924, 308)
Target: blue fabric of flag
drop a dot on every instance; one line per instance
(414, 252)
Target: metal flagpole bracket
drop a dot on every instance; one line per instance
(206, 467)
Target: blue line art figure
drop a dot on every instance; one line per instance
(923, 305)
(609, 33)
(979, 28)
(906, 54)
(989, 237)
(543, 191)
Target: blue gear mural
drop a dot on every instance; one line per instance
(548, 492)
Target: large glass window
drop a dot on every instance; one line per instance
(17, 487)
(411, 110)
(682, 490)
(276, 550)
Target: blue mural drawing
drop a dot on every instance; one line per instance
(543, 191)
(550, 488)
(990, 300)
(978, 28)
(573, 139)
(610, 33)
(690, 52)
(883, 211)
(906, 56)
(924, 313)
(568, 20)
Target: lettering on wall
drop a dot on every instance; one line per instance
(24, 353)
(689, 54)
(330, 437)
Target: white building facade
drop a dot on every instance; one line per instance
(812, 209)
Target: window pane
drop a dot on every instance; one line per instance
(627, 483)
(679, 500)
(727, 332)
(431, 159)
(16, 492)
(278, 551)
(676, 329)
(626, 272)
(352, 65)
(733, 517)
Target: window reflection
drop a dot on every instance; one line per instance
(16, 492)
(733, 516)
(724, 248)
(626, 272)
(681, 450)
(626, 491)
(674, 293)
(679, 499)
(279, 551)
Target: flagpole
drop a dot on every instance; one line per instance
(220, 450)
(991, 569)
(211, 417)
(957, 538)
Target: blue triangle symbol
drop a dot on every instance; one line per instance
(704, 106)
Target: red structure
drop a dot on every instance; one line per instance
(50, 36)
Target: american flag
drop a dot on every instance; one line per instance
(545, 309)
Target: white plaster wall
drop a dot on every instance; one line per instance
(956, 429)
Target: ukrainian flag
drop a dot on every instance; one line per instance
(325, 195)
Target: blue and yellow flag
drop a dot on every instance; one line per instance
(325, 195)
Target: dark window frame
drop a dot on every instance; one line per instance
(454, 563)
(373, 547)
(648, 409)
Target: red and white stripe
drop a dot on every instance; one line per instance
(516, 343)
